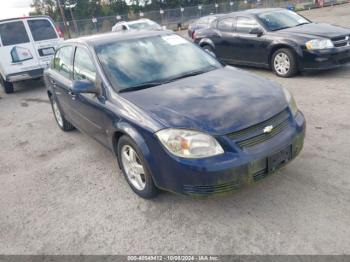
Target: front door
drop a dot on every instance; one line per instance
(249, 48)
(88, 109)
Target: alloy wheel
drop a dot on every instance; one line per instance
(133, 167)
(282, 63)
(57, 113)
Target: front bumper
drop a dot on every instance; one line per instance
(324, 59)
(227, 172)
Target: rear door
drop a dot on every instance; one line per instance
(60, 79)
(224, 37)
(44, 38)
(17, 52)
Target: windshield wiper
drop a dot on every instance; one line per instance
(141, 86)
(281, 28)
(303, 23)
(189, 74)
(151, 84)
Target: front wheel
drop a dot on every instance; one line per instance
(134, 169)
(284, 63)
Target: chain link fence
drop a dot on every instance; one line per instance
(181, 17)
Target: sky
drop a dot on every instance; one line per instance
(14, 8)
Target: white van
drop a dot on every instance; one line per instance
(27, 46)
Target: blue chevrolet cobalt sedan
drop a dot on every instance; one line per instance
(175, 118)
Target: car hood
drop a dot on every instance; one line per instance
(317, 30)
(219, 102)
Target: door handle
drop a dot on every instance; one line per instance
(74, 96)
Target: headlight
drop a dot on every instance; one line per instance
(291, 101)
(188, 143)
(318, 44)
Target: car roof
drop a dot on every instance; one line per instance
(139, 21)
(110, 37)
(24, 18)
(254, 11)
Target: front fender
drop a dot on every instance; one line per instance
(123, 127)
(285, 44)
(139, 137)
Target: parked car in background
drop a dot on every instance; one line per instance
(279, 39)
(175, 117)
(140, 24)
(201, 23)
(27, 46)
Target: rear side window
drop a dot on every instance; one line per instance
(63, 61)
(13, 33)
(226, 25)
(41, 29)
(245, 24)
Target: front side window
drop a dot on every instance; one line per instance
(13, 33)
(42, 29)
(245, 24)
(156, 59)
(226, 25)
(84, 68)
(63, 61)
(281, 19)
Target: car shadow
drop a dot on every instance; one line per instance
(28, 86)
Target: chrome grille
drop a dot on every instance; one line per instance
(341, 41)
(255, 135)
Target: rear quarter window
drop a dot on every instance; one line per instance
(42, 29)
(13, 33)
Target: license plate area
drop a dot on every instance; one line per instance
(276, 160)
(46, 51)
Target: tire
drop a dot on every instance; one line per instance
(284, 63)
(8, 86)
(209, 49)
(142, 184)
(60, 120)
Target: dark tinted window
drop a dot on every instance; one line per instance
(226, 25)
(62, 62)
(13, 33)
(84, 68)
(41, 29)
(245, 24)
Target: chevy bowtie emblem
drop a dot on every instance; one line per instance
(268, 129)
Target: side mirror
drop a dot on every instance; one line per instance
(84, 86)
(256, 31)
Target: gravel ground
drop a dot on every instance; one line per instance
(62, 193)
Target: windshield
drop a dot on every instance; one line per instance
(157, 59)
(144, 25)
(281, 19)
